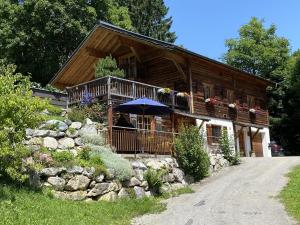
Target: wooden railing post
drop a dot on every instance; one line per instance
(154, 94)
(133, 90)
(109, 111)
(173, 100)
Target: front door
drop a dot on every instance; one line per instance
(242, 144)
(257, 145)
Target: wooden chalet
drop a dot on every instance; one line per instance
(200, 90)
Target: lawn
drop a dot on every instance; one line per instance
(290, 195)
(19, 206)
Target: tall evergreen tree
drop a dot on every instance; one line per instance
(149, 17)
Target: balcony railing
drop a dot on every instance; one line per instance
(127, 89)
(137, 141)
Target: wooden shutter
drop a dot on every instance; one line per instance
(209, 134)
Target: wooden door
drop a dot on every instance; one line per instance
(257, 145)
(242, 144)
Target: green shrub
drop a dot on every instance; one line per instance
(108, 67)
(77, 114)
(190, 153)
(93, 139)
(18, 111)
(121, 167)
(154, 179)
(96, 112)
(86, 159)
(62, 157)
(226, 149)
(72, 130)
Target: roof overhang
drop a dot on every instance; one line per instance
(142, 39)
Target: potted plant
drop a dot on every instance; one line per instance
(211, 101)
(163, 94)
(252, 111)
(182, 99)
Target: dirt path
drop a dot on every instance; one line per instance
(245, 194)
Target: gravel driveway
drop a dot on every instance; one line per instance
(245, 194)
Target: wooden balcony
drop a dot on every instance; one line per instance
(124, 90)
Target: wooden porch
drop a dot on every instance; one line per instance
(137, 141)
(118, 90)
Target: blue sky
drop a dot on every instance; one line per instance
(203, 26)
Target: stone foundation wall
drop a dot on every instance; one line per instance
(78, 183)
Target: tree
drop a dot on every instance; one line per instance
(108, 67)
(258, 50)
(110, 11)
(149, 17)
(286, 129)
(18, 111)
(38, 36)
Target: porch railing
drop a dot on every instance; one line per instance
(129, 140)
(127, 89)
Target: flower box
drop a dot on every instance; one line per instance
(253, 111)
(211, 101)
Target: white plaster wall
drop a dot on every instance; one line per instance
(219, 122)
(265, 134)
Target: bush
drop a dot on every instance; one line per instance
(77, 115)
(154, 179)
(226, 149)
(96, 112)
(121, 167)
(108, 67)
(86, 159)
(93, 139)
(190, 153)
(18, 111)
(62, 157)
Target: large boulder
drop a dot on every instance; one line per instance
(90, 129)
(75, 170)
(79, 182)
(139, 192)
(78, 141)
(52, 171)
(123, 193)
(99, 189)
(178, 174)
(89, 172)
(138, 165)
(139, 174)
(50, 142)
(76, 125)
(132, 182)
(66, 143)
(61, 126)
(155, 164)
(35, 141)
(74, 196)
(109, 197)
(40, 133)
(56, 134)
(57, 183)
(72, 133)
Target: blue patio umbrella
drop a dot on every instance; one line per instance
(144, 106)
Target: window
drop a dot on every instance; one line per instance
(207, 91)
(158, 125)
(146, 124)
(129, 64)
(250, 101)
(214, 133)
(230, 97)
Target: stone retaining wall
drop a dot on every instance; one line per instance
(78, 183)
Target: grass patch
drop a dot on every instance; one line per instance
(19, 206)
(180, 191)
(290, 195)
